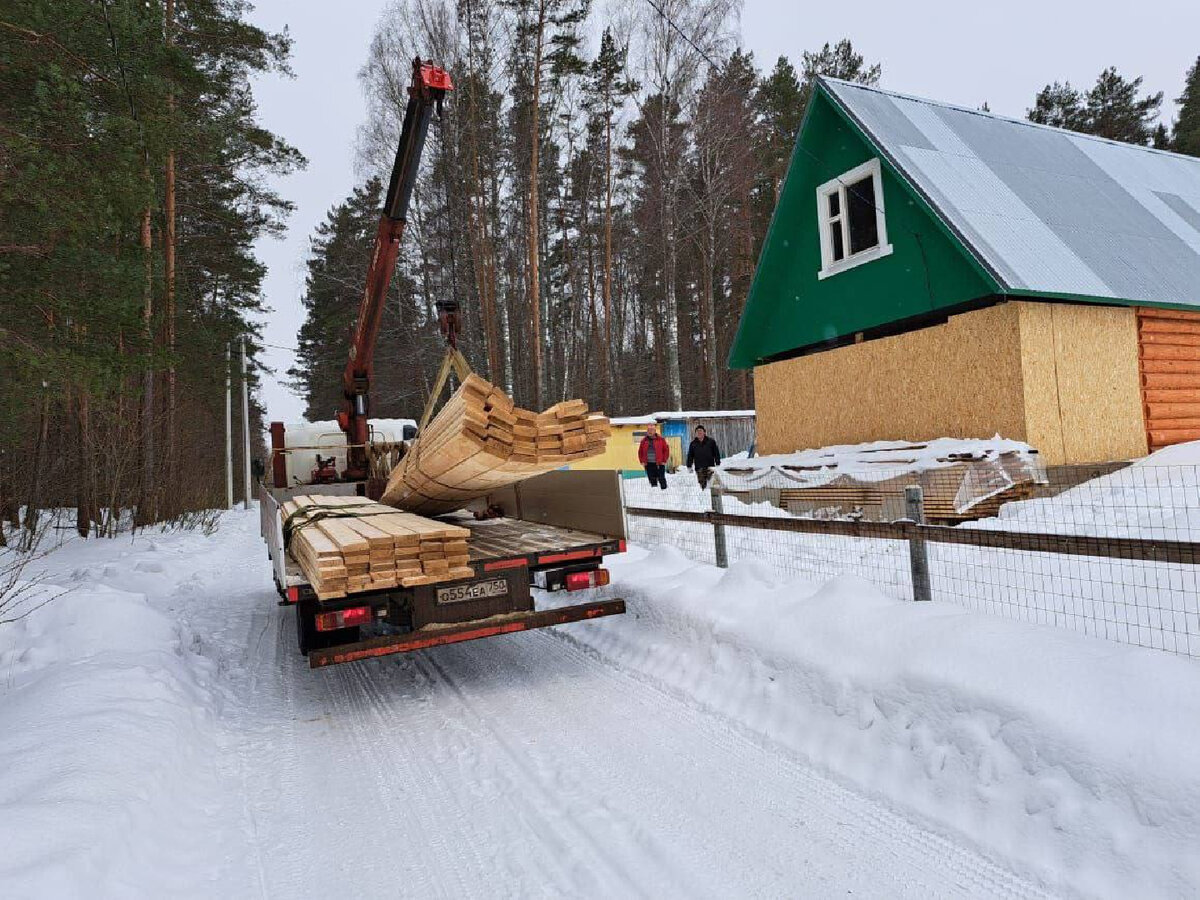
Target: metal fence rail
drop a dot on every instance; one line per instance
(1116, 557)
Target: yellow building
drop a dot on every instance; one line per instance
(733, 431)
(622, 451)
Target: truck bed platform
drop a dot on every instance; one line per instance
(503, 542)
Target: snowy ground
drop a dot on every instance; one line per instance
(735, 734)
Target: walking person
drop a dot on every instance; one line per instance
(704, 455)
(653, 453)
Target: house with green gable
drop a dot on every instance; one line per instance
(938, 271)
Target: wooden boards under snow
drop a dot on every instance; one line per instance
(480, 441)
(345, 545)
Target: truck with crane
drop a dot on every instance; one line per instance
(551, 532)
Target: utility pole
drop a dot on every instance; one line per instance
(228, 428)
(245, 428)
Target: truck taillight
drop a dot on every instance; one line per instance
(293, 594)
(343, 618)
(580, 581)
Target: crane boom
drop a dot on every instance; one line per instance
(428, 89)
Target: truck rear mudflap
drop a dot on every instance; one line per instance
(432, 636)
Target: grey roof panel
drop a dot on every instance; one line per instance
(1047, 210)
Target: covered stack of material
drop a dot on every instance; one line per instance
(345, 545)
(480, 441)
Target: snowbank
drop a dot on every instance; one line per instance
(109, 741)
(1071, 757)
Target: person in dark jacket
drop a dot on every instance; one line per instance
(703, 455)
(654, 451)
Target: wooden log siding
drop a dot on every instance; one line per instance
(1169, 362)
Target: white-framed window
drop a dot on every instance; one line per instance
(850, 216)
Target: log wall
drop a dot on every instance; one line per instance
(1169, 361)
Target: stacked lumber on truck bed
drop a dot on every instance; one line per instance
(345, 545)
(480, 441)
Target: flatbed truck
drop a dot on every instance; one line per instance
(549, 533)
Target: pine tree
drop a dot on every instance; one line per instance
(1117, 112)
(1185, 137)
(93, 97)
(722, 162)
(607, 90)
(547, 37)
(1112, 109)
(779, 101)
(837, 61)
(1061, 106)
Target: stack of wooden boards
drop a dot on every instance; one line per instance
(480, 441)
(349, 544)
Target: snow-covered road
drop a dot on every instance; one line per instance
(524, 765)
(527, 765)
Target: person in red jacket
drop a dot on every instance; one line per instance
(653, 453)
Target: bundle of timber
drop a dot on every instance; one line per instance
(480, 441)
(349, 544)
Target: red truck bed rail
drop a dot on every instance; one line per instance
(466, 631)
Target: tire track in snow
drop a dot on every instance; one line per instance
(850, 816)
(886, 825)
(537, 809)
(476, 770)
(443, 819)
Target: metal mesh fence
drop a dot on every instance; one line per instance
(1110, 551)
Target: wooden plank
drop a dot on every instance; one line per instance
(1167, 437)
(1171, 338)
(1169, 326)
(1150, 312)
(1169, 352)
(1161, 410)
(1169, 367)
(1170, 394)
(1145, 549)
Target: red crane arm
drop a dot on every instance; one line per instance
(428, 89)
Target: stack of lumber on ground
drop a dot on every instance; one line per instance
(944, 501)
(480, 441)
(345, 545)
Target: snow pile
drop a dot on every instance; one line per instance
(1070, 757)
(109, 739)
(1155, 497)
(880, 460)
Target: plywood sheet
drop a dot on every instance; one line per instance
(1062, 377)
(959, 379)
(1083, 399)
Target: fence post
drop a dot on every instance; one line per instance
(918, 554)
(722, 554)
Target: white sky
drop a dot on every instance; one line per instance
(946, 50)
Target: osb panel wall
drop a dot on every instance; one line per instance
(960, 379)
(1083, 399)
(1169, 352)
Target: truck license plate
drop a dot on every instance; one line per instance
(477, 590)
